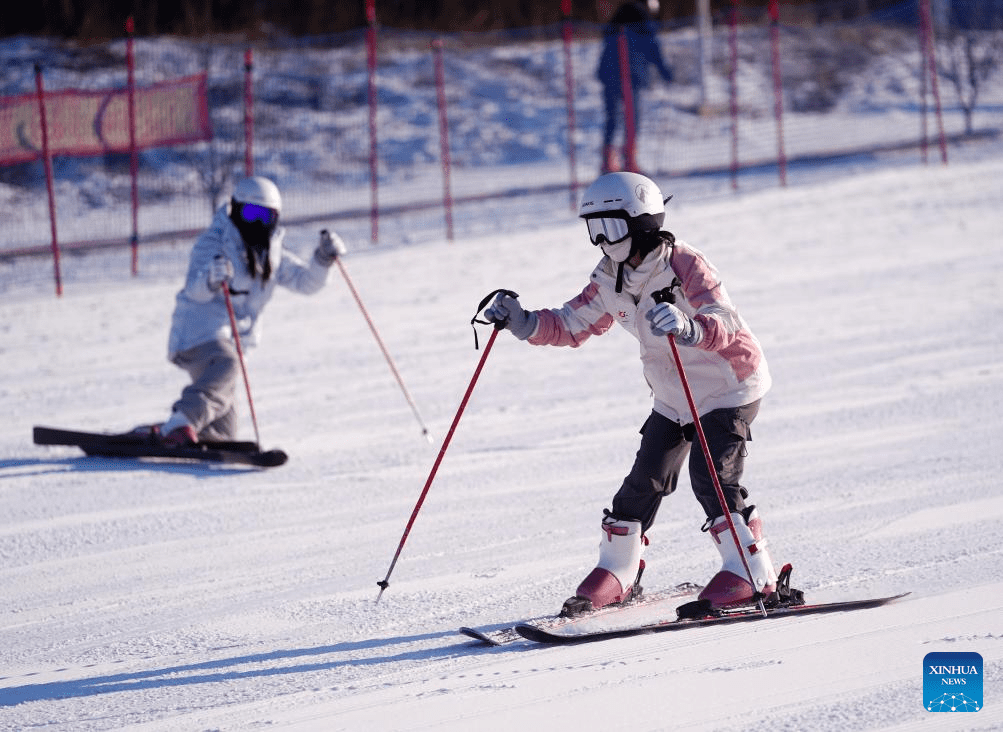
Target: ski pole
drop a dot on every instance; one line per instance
(240, 356)
(383, 348)
(666, 295)
(385, 583)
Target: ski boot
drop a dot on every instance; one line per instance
(178, 432)
(731, 586)
(616, 578)
(149, 431)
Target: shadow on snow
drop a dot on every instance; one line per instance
(228, 669)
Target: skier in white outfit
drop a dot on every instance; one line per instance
(242, 251)
(721, 358)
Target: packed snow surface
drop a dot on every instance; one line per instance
(157, 596)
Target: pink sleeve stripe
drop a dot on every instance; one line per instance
(743, 355)
(700, 280)
(573, 324)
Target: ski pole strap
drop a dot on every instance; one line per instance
(483, 304)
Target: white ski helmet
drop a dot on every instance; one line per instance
(260, 191)
(629, 196)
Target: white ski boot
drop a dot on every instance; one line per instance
(730, 586)
(616, 576)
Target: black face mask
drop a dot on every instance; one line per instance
(257, 237)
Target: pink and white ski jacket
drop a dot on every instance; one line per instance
(725, 369)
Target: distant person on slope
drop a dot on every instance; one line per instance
(726, 370)
(634, 20)
(241, 250)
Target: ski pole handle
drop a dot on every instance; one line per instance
(664, 295)
(498, 325)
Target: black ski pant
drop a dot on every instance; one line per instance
(664, 446)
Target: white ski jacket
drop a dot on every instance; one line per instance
(200, 314)
(725, 369)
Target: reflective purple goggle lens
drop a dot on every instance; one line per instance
(253, 213)
(607, 230)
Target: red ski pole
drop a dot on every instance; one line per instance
(667, 296)
(382, 345)
(385, 582)
(240, 355)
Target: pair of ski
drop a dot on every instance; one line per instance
(142, 444)
(649, 614)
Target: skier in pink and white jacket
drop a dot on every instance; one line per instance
(723, 363)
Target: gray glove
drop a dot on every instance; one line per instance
(507, 311)
(667, 319)
(330, 248)
(220, 270)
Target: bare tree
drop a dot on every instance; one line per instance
(970, 59)
(216, 169)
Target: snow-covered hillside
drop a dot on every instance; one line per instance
(172, 597)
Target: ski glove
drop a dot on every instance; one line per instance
(507, 311)
(667, 319)
(330, 248)
(220, 270)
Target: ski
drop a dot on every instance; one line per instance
(594, 627)
(138, 445)
(508, 633)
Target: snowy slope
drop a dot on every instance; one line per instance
(167, 597)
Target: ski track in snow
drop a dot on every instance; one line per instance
(170, 597)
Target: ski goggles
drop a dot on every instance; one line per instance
(607, 229)
(252, 213)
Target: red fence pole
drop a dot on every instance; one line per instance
(733, 87)
(440, 86)
(249, 112)
(374, 211)
(130, 62)
(627, 89)
(778, 89)
(921, 25)
(930, 60)
(47, 161)
(569, 85)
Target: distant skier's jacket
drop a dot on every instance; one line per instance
(200, 314)
(725, 369)
(642, 51)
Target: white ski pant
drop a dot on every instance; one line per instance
(208, 402)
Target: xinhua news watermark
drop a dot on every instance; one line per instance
(952, 682)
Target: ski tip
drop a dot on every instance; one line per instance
(479, 636)
(539, 635)
(273, 458)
